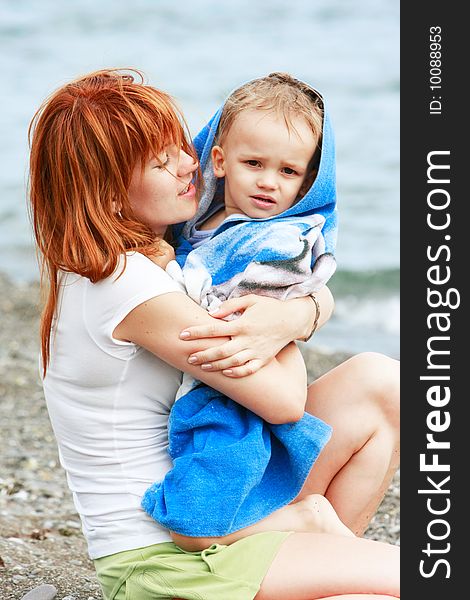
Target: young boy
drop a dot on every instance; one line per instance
(265, 154)
(261, 228)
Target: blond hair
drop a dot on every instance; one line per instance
(279, 93)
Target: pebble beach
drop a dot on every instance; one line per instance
(40, 533)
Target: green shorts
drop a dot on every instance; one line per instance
(165, 571)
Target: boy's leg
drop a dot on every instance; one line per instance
(360, 400)
(313, 514)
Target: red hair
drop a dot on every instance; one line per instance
(86, 139)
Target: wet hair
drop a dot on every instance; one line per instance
(279, 93)
(86, 140)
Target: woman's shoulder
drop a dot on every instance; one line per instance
(106, 303)
(137, 274)
(135, 279)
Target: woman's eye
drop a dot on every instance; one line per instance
(162, 163)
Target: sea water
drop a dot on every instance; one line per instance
(199, 51)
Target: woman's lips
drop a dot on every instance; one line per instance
(263, 202)
(188, 192)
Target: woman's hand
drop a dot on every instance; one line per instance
(265, 327)
(256, 337)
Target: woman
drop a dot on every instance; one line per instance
(111, 171)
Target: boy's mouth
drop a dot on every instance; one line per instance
(263, 201)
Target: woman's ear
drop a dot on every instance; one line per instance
(117, 208)
(218, 161)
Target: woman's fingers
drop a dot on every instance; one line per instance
(216, 353)
(234, 305)
(228, 359)
(235, 360)
(254, 341)
(247, 369)
(215, 329)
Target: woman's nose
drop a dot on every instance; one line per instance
(186, 164)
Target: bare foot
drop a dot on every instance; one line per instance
(317, 515)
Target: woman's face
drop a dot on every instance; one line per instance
(162, 194)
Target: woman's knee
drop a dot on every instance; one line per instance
(380, 376)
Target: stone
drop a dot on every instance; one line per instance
(42, 592)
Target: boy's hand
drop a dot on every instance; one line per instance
(166, 253)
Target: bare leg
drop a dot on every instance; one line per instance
(352, 597)
(311, 565)
(360, 400)
(314, 514)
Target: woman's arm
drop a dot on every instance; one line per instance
(277, 392)
(265, 327)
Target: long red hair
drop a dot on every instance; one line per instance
(86, 139)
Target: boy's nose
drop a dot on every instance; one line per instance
(186, 164)
(267, 181)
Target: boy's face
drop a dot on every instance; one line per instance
(264, 163)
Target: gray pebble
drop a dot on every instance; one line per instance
(48, 524)
(42, 592)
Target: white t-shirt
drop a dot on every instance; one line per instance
(109, 403)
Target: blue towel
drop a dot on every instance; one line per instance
(230, 467)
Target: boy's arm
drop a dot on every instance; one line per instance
(266, 326)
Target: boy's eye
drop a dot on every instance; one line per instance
(252, 163)
(289, 171)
